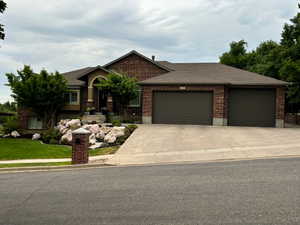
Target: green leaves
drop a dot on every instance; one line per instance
(2, 9)
(120, 86)
(277, 60)
(42, 92)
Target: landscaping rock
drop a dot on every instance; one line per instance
(94, 128)
(118, 131)
(110, 138)
(36, 136)
(67, 138)
(15, 134)
(6, 136)
(105, 129)
(98, 145)
(74, 124)
(100, 135)
(92, 139)
(86, 126)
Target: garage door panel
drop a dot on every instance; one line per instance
(252, 107)
(182, 107)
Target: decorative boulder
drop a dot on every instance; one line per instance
(110, 138)
(100, 135)
(92, 139)
(63, 123)
(74, 124)
(64, 130)
(15, 134)
(94, 128)
(67, 138)
(6, 136)
(105, 129)
(86, 126)
(36, 136)
(118, 131)
(98, 145)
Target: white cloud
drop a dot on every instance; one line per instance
(66, 34)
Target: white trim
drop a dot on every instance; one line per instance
(91, 82)
(280, 123)
(147, 119)
(219, 122)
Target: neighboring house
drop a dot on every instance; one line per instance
(184, 93)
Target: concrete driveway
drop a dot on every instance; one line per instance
(183, 143)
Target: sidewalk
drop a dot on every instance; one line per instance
(91, 159)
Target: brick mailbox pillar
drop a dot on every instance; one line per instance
(80, 146)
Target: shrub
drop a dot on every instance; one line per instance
(11, 124)
(51, 136)
(116, 123)
(131, 127)
(53, 141)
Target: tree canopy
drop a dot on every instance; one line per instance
(8, 107)
(42, 92)
(277, 60)
(2, 9)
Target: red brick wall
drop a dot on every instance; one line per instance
(218, 104)
(141, 69)
(280, 103)
(135, 66)
(23, 117)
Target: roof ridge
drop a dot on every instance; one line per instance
(141, 55)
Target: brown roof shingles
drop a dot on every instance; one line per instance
(187, 73)
(209, 73)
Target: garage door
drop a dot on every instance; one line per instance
(182, 107)
(252, 107)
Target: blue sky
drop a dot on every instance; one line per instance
(65, 34)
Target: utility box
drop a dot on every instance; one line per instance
(80, 146)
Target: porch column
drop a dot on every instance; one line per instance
(90, 94)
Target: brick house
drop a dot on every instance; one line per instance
(184, 93)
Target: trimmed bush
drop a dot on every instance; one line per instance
(51, 136)
(11, 124)
(116, 123)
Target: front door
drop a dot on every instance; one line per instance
(102, 101)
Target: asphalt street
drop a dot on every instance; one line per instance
(244, 192)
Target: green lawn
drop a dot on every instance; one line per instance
(11, 149)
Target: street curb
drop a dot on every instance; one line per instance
(53, 168)
(91, 166)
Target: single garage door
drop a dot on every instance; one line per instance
(252, 107)
(182, 107)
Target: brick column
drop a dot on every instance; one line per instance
(80, 146)
(220, 115)
(280, 105)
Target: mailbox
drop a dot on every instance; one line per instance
(80, 146)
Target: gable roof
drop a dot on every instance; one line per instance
(140, 55)
(73, 77)
(209, 73)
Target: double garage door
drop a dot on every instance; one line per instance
(246, 107)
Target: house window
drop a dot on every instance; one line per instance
(72, 97)
(137, 101)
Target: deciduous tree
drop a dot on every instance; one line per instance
(42, 92)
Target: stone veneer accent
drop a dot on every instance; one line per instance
(280, 104)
